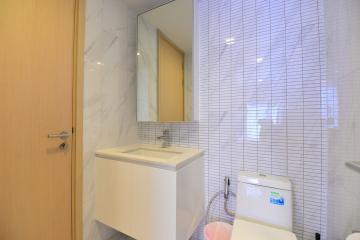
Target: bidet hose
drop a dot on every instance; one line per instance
(209, 206)
(230, 213)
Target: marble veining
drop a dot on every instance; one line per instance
(276, 100)
(109, 93)
(147, 71)
(343, 75)
(188, 86)
(263, 105)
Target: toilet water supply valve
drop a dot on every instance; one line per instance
(226, 192)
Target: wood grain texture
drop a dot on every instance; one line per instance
(77, 154)
(36, 87)
(170, 81)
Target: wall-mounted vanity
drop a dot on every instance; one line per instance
(149, 192)
(154, 192)
(166, 67)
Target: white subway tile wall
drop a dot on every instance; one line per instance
(263, 101)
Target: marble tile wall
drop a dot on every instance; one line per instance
(188, 86)
(343, 76)
(109, 93)
(269, 102)
(147, 71)
(263, 101)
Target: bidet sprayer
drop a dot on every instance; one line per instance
(227, 192)
(226, 187)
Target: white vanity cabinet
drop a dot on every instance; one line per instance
(150, 193)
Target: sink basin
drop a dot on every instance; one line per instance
(156, 153)
(172, 158)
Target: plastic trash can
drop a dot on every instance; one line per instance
(217, 231)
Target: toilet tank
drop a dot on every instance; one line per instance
(264, 198)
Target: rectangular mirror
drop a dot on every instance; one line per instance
(165, 62)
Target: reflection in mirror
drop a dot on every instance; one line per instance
(165, 63)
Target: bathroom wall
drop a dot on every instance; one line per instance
(147, 71)
(109, 93)
(263, 101)
(342, 20)
(188, 86)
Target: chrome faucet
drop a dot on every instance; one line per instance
(166, 138)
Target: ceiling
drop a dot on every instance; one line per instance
(143, 5)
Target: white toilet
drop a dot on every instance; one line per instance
(354, 236)
(263, 208)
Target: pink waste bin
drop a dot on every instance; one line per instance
(217, 231)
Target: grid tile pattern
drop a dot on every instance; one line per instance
(262, 101)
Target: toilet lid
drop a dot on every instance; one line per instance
(246, 230)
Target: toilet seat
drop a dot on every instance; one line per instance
(247, 230)
(354, 236)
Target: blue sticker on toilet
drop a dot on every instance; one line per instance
(276, 199)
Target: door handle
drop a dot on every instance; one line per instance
(63, 135)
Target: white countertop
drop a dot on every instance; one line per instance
(182, 156)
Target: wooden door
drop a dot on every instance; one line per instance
(170, 81)
(36, 78)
